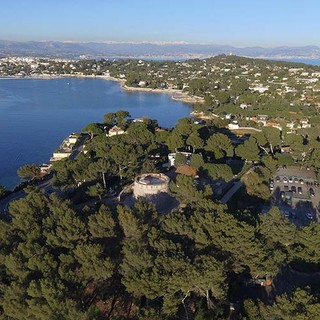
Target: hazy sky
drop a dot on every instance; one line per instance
(234, 22)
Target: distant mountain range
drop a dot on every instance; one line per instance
(76, 50)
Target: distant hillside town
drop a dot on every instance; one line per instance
(154, 50)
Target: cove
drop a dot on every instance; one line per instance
(37, 114)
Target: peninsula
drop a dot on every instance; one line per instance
(216, 217)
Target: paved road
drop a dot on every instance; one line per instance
(236, 186)
(4, 203)
(42, 185)
(78, 148)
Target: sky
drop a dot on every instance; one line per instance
(239, 23)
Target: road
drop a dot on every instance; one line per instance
(42, 185)
(236, 186)
(4, 203)
(78, 148)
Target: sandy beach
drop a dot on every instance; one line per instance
(201, 115)
(177, 95)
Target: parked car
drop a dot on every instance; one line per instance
(301, 181)
(311, 191)
(296, 180)
(282, 194)
(294, 189)
(286, 213)
(309, 215)
(299, 190)
(290, 180)
(285, 179)
(278, 179)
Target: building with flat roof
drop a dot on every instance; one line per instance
(150, 184)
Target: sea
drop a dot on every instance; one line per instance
(37, 114)
(315, 62)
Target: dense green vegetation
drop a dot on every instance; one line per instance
(79, 255)
(224, 82)
(62, 262)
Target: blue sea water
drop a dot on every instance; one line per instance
(315, 62)
(36, 115)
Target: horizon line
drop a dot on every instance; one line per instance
(162, 43)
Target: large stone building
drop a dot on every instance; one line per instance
(150, 184)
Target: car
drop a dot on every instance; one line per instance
(311, 191)
(271, 188)
(290, 180)
(299, 190)
(282, 194)
(309, 215)
(296, 180)
(301, 181)
(293, 189)
(278, 179)
(285, 179)
(286, 213)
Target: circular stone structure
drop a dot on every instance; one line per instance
(150, 184)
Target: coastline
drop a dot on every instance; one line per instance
(170, 93)
(177, 95)
(202, 116)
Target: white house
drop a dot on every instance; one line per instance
(72, 139)
(243, 106)
(60, 154)
(262, 118)
(171, 158)
(114, 131)
(233, 125)
(305, 124)
(142, 84)
(290, 125)
(260, 89)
